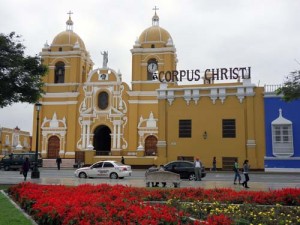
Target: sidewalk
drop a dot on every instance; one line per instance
(259, 181)
(254, 186)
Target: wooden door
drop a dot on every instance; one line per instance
(53, 147)
(151, 145)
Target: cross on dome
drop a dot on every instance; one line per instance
(69, 22)
(155, 18)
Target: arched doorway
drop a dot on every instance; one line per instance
(151, 145)
(53, 147)
(102, 140)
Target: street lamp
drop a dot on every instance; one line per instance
(35, 172)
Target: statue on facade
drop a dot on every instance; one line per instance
(105, 58)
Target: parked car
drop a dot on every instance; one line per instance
(111, 169)
(15, 161)
(184, 168)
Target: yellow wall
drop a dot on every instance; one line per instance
(207, 117)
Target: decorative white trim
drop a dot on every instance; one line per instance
(146, 82)
(170, 96)
(61, 95)
(61, 84)
(53, 67)
(209, 87)
(66, 54)
(195, 96)
(161, 144)
(143, 101)
(57, 127)
(153, 50)
(60, 103)
(287, 170)
(251, 143)
(187, 96)
(272, 95)
(70, 153)
(142, 93)
(214, 95)
(222, 94)
(146, 127)
(216, 92)
(102, 83)
(281, 158)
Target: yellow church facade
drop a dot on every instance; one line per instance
(90, 114)
(14, 140)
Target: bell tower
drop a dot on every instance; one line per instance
(69, 64)
(153, 53)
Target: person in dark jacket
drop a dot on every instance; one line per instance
(25, 168)
(58, 162)
(246, 168)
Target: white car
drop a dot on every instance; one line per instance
(111, 169)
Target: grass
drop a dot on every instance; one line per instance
(4, 186)
(9, 214)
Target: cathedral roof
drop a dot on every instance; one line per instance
(155, 34)
(68, 37)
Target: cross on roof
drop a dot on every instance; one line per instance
(70, 12)
(155, 8)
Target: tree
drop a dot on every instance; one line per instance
(20, 76)
(291, 87)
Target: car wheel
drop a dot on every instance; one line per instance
(192, 176)
(6, 167)
(82, 175)
(113, 176)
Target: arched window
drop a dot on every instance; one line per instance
(59, 73)
(103, 100)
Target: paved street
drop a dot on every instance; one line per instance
(258, 180)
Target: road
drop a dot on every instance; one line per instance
(258, 180)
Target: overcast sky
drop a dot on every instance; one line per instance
(262, 34)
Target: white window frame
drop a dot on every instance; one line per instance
(282, 140)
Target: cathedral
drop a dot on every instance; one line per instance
(90, 114)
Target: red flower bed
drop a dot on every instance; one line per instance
(106, 204)
(88, 204)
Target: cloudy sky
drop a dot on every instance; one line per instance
(263, 34)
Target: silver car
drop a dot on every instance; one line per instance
(111, 169)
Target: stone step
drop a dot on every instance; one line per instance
(51, 163)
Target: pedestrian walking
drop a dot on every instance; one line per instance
(236, 172)
(214, 164)
(197, 169)
(246, 168)
(58, 162)
(25, 168)
(122, 160)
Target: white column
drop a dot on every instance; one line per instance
(88, 126)
(83, 136)
(114, 135)
(119, 135)
(44, 143)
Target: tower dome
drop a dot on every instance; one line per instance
(155, 36)
(68, 37)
